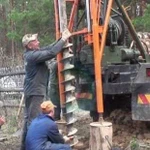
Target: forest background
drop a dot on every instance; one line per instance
(18, 17)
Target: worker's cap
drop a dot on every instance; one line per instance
(28, 38)
(47, 106)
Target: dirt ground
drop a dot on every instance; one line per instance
(127, 134)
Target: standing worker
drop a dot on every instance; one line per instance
(43, 133)
(36, 76)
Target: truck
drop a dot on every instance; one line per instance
(104, 72)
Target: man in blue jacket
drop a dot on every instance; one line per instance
(43, 133)
(36, 76)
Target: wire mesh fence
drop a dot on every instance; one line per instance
(11, 92)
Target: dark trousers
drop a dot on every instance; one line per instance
(31, 111)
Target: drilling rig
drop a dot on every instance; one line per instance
(104, 71)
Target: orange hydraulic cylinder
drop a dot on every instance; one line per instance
(97, 66)
(98, 53)
(96, 47)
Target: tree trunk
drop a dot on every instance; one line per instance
(12, 29)
(100, 136)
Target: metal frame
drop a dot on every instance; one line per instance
(92, 38)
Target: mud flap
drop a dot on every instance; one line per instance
(141, 107)
(141, 95)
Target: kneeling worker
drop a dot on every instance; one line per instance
(43, 133)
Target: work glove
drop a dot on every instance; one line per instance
(68, 138)
(66, 34)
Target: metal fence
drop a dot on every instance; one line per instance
(11, 92)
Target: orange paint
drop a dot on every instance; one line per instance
(98, 46)
(59, 57)
(72, 15)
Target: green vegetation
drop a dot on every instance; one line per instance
(134, 145)
(20, 17)
(143, 23)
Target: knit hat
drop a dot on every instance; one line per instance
(28, 38)
(47, 106)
